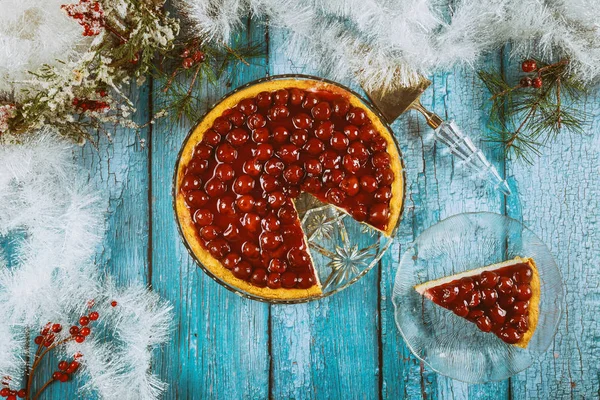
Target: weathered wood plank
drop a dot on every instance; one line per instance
(559, 199)
(219, 348)
(435, 191)
(329, 348)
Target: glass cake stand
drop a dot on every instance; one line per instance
(449, 344)
(343, 250)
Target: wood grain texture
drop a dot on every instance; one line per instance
(219, 348)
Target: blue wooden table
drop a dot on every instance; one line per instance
(347, 346)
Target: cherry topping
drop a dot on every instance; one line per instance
(296, 96)
(281, 134)
(288, 279)
(357, 116)
(302, 121)
(251, 222)
(269, 183)
(263, 151)
(381, 160)
(218, 248)
(358, 150)
(310, 100)
(293, 174)
(289, 153)
(340, 106)
(329, 159)
(368, 183)
(281, 97)
(278, 113)
(274, 280)
(368, 133)
(197, 166)
(238, 137)
(510, 335)
(379, 214)
(252, 167)
(276, 199)
(222, 125)
(335, 196)
(259, 277)
(256, 121)
(226, 153)
(242, 270)
(359, 212)
(231, 260)
(522, 291)
(250, 250)
(484, 324)
(270, 240)
(350, 185)
(270, 223)
(339, 141)
(314, 146)
(321, 111)
(224, 172)
(505, 285)
(351, 163)
(203, 217)
(210, 232)
(305, 280)
(237, 118)
(243, 184)
(247, 106)
(299, 137)
(191, 182)
(263, 99)
(196, 198)
(324, 130)
(260, 135)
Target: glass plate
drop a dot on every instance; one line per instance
(343, 250)
(449, 344)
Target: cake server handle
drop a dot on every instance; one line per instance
(461, 146)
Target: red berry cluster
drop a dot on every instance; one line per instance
(90, 15)
(66, 369)
(8, 393)
(79, 333)
(91, 105)
(47, 334)
(531, 66)
(192, 56)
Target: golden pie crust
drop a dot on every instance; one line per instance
(185, 219)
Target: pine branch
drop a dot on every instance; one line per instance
(527, 115)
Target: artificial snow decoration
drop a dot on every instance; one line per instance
(34, 33)
(387, 43)
(53, 222)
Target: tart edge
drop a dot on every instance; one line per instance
(534, 302)
(185, 220)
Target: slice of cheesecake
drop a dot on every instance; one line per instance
(500, 298)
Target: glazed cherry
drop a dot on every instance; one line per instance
(449, 294)
(497, 315)
(288, 279)
(335, 196)
(357, 116)
(218, 248)
(197, 166)
(359, 212)
(224, 172)
(259, 277)
(330, 159)
(270, 240)
(250, 250)
(379, 214)
(368, 183)
(339, 141)
(293, 174)
(247, 106)
(523, 275)
(242, 270)
(210, 232)
(252, 167)
(214, 187)
(385, 176)
(350, 185)
(231, 260)
(281, 97)
(522, 291)
(333, 178)
(520, 307)
(488, 279)
(378, 144)
(263, 100)
(461, 310)
(277, 265)
(324, 130)
(196, 198)
(251, 222)
(238, 137)
(351, 132)
(473, 298)
(519, 322)
(358, 150)
(368, 133)
(340, 106)
(381, 160)
(350, 163)
(203, 217)
(383, 194)
(222, 125)
(288, 153)
(310, 100)
(299, 137)
(226, 153)
(312, 185)
(243, 184)
(506, 302)
(276, 199)
(302, 121)
(260, 135)
(484, 324)
(263, 152)
(278, 113)
(298, 258)
(313, 167)
(466, 286)
(274, 280)
(274, 167)
(237, 118)
(296, 96)
(271, 223)
(281, 134)
(211, 138)
(321, 111)
(226, 206)
(489, 297)
(314, 146)
(305, 280)
(260, 206)
(269, 183)
(504, 285)
(509, 335)
(191, 182)
(255, 121)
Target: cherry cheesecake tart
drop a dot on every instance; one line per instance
(254, 153)
(501, 298)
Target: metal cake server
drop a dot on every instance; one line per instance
(393, 103)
